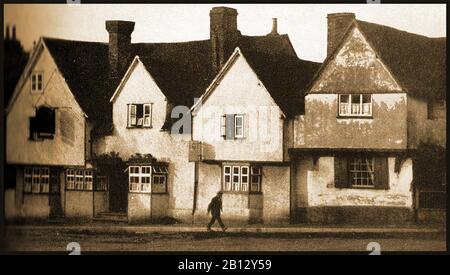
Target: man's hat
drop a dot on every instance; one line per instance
(219, 193)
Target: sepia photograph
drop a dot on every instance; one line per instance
(224, 128)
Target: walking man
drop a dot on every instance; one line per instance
(215, 207)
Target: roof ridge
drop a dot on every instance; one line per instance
(399, 30)
(71, 40)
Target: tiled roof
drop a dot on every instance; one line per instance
(182, 70)
(417, 62)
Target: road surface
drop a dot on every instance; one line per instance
(21, 239)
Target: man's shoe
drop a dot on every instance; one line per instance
(224, 229)
(208, 229)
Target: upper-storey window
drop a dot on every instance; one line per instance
(43, 124)
(232, 126)
(140, 115)
(37, 82)
(359, 105)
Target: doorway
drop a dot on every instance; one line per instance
(118, 193)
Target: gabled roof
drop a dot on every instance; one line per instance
(182, 70)
(418, 63)
(84, 66)
(284, 76)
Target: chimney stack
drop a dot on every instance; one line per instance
(224, 35)
(14, 32)
(119, 46)
(7, 32)
(338, 24)
(274, 27)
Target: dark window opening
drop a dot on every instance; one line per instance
(42, 126)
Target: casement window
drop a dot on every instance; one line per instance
(88, 180)
(42, 126)
(241, 178)
(361, 171)
(79, 175)
(101, 183)
(245, 177)
(236, 178)
(255, 181)
(227, 177)
(37, 82)
(140, 115)
(139, 178)
(36, 180)
(79, 179)
(359, 105)
(238, 126)
(148, 179)
(232, 126)
(70, 179)
(27, 179)
(159, 179)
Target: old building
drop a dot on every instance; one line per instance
(242, 124)
(147, 131)
(126, 109)
(365, 114)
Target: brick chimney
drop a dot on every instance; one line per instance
(224, 35)
(7, 33)
(338, 24)
(119, 46)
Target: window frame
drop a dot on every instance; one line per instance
(247, 175)
(235, 185)
(145, 178)
(349, 107)
(34, 82)
(258, 175)
(136, 122)
(240, 178)
(149, 115)
(227, 184)
(156, 185)
(28, 175)
(353, 173)
(36, 180)
(88, 180)
(82, 179)
(236, 127)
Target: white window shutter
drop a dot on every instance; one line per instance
(147, 115)
(132, 115)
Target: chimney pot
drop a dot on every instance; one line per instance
(274, 27)
(338, 23)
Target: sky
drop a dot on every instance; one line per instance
(305, 24)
